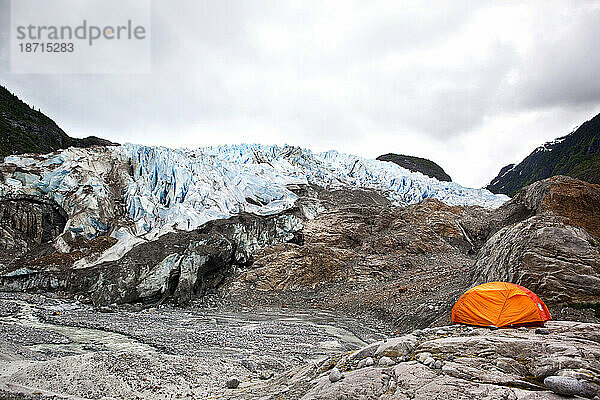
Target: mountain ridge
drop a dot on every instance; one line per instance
(23, 129)
(576, 155)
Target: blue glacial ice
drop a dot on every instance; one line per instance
(185, 188)
(164, 189)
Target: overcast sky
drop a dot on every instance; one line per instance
(470, 85)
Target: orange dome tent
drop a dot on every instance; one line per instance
(500, 304)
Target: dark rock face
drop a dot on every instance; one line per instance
(28, 222)
(25, 130)
(182, 265)
(576, 155)
(417, 164)
(38, 219)
(178, 265)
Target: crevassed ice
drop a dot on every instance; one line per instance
(189, 187)
(183, 189)
(77, 179)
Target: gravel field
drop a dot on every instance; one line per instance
(68, 348)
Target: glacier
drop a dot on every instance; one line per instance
(162, 189)
(185, 188)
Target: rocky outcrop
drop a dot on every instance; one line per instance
(456, 362)
(546, 238)
(26, 222)
(417, 164)
(577, 201)
(39, 220)
(183, 265)
(559, 262)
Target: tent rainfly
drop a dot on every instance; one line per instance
(500, 304)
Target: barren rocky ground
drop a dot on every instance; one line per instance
(62, 346)
(456, 362)
(58, 348)
(350, 300)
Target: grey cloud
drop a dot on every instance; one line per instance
(563, 69)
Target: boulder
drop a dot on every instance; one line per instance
(564, 385)
(365, 362)
(397, 347)
(335, 375)
(232, 383)
(429, 361)
(421, 357)
(385, 362)
(559, 262)
(266, 375)
(250, 365)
